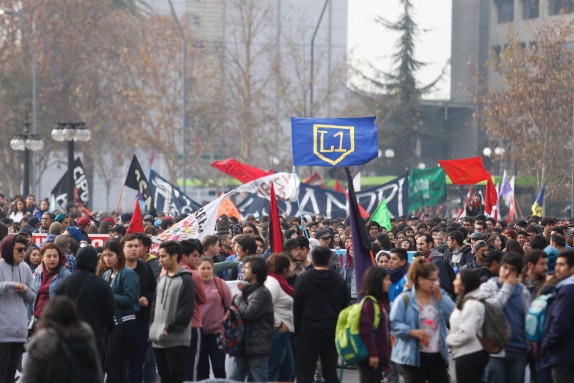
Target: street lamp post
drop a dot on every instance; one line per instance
(71, 132)
(494, 156)
(26, 142)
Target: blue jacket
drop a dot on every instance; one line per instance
(397, 288)
(126, 289)
(558, 342)
(404, 319)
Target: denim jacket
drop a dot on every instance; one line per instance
(58, 276)
(404, 319)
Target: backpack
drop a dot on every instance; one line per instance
(536, 316)
(348, 340)
(495, 329)
(230, 341)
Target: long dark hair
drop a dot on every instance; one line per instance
(471, 281)
(59, 313)
(373, 283)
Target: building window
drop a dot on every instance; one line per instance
(530, 9)
(505, 10)
(558, 6)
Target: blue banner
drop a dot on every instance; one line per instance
(168, 199)
(332, 204)
(333, 141)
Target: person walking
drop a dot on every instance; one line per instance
(171, 313)
(418, 322)
(16, 290)
(93, 296)
(320, 295)
(122, 340)
(466, 322)
(63, 348)
(376, 283)
(218, 298)
(255, 305)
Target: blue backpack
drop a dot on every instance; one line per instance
(536, 316)
(230, 341)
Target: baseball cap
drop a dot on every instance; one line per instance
(291, 243)
(323, 234)
(477, 235)
(83, 221)
(148, 217)
(478, 244)
(25, 231)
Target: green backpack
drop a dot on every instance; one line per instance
(348, 340)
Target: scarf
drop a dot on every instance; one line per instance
(283, 283)
(399, 273)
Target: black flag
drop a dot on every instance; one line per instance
(137, 180)
(60, 191)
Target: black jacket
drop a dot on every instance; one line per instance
(465, 257)
(320, 295)
(256, 307)
(93, 296)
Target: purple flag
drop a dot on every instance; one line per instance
(362, 250)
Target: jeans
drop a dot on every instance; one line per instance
(315, 344)
(192, 362)
(368, 374)
(254, 367)
(210, 352)
(138, 359)
(10, 354)
(561, 374)
(281, 354)
(506, 370)
(432, 368)
(120, 348)
(171, 363)
(470, 367)
(543, 374)
(150, 367)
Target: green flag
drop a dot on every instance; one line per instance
(382, 216)
(427, 187)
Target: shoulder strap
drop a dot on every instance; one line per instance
(218, 284)
(406, 299)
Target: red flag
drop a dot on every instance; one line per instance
(314, 179)
(512, 211)
(465, 171)
(491, 197)
(240, 171)
(275, 239)
(339, 187)
(136, 224)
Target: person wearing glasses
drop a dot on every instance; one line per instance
(16, 292)
(250, 229)
(419, 317)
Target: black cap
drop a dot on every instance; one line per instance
(323, 234)
(291, 243)
(148, 217)
(477, 235)
(25, 231)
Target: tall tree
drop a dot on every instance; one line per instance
(396, 94)
(531, 108)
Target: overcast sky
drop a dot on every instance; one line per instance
(369, 41)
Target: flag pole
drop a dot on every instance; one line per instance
(305, 231)
(119, 201)
(518, 206)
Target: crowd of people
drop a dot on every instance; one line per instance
(119, 312)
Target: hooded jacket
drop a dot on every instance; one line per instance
(558, 342)
(13, 310)
(255, 305)
(320, 295)
(69, 355)
(172, 310)
(514, 301)
(466, 325)
(93, 296)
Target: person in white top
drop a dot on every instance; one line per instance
(281, 365)
(465, 326)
